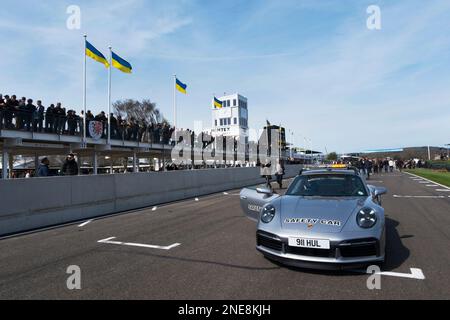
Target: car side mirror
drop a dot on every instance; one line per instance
(378, 191)
(265, 191)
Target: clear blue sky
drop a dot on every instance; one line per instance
(310, 65)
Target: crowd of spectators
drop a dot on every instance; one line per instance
(24, 115)
(369, 166)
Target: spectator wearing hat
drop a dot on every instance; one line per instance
(70, 166)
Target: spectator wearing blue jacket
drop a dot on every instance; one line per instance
(43, 170)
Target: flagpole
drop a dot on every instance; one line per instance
(175, 106)
(279, 142)
(109, 95)
(84, 90)
(175, 101)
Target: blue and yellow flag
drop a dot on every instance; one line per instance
(92, 52)
(218, 103)
(180, 86)
(121, 64)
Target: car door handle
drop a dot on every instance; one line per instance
(243, 198)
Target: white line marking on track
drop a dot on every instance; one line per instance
(416, 273)
(226, 193)
(85, 223)
(431, 181)
(432, 185)
(154, 208)
(420, 197)
(130, 244)
(443, 190)
(196, 199)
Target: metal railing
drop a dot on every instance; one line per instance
(72, 125)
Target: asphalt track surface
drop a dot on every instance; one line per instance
(216, 258)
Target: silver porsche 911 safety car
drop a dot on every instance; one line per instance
(329, 218)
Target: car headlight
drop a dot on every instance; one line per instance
(268, 213)
(366, 218)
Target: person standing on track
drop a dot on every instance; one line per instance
(400, 164)
(280, 173)
(266, 172)
(375, 166)
(391, 165)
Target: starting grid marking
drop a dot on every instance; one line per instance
(85, 223)
(418, 178)
(420, 197)
(130, 244)
(431, 184)
(416, 273)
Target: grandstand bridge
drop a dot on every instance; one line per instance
(37, 144)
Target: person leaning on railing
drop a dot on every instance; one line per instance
(38, 117)
(9, 109)
(72, 122)
(49, 119)
(24, 115)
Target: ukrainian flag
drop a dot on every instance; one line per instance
(218, 103)
(92, 52)
(181, 86)
(121, 64)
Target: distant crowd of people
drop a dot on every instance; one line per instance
(368, 166)
(23, 114)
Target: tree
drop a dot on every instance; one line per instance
(332, 156)
(144, 110)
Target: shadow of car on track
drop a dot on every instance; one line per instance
(396, 252)
(396, 255)
(193, 260)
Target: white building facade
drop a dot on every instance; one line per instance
(232, 119)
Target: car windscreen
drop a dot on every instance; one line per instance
(327, 185)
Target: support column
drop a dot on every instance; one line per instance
(135, 167)
(11, 165)
(163, 159)
(36, 164)
(111, 164)
(5, 163)
(95, 163)
(158, 163)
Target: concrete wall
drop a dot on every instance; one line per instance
(27, 204)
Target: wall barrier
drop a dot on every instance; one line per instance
(29, 204)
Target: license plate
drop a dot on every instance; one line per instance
(309, 243)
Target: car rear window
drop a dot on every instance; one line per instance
(328, 185)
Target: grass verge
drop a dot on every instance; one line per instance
(441, 177)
